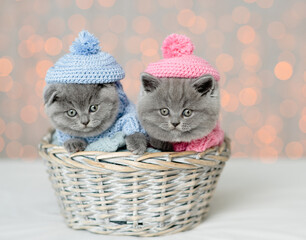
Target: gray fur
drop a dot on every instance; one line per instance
(136, 143)
(75, 145)
(201, 95)
(60, 98)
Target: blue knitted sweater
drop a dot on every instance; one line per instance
(125, 122)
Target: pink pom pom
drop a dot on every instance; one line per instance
(176, 45)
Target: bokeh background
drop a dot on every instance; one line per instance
(257, 45)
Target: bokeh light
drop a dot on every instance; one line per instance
(256, 45)
(283, 70)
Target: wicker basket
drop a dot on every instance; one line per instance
(123, 194)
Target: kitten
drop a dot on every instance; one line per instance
(178, 109)
(84, 111)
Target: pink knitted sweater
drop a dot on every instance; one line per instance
(214, 138)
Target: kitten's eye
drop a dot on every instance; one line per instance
(187, 112)
(71, 113)
(93, 108)
(164, 111)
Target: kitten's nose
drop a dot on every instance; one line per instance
(175, 124)
(84, 121)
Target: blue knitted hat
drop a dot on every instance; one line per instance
(85, 64)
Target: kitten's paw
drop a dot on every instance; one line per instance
(75, 145)
(136, 143)
(163, 146)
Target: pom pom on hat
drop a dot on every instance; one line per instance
(85, 44)
(176, 45)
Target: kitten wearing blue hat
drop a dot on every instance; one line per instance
(85, 101)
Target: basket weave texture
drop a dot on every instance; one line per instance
(123, 194)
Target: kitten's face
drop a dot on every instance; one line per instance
(178, 109)
(81, 110)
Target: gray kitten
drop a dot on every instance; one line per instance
(178, 109)
(85, 110)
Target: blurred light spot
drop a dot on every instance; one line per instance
(35, 43)
(117, 24)
(283, 70)
(13, 149)
(16, 91)
(149, 47)
(23, 50)
(141, 24)
(146, 59)
(186, 18)
(132, 44)
(268, 154)
(2, 143)
(42, 67)
(107, 3)
(6, 66)
(226, 23)
(6, 83)
(100, 24)
(232, 105)
(248, 96)
(25, 32)
(244, 135)
(302, 123)
(241, 15)
(250, 57)
(215, 38)
(29, 114)
(246, 34)
(225, 97)
(265, 3)
(266, 134)
(84, 4)
(109, 41)
(2, 126)
(288, 108)
(76, 23)
(53, 46)
(13, 130)
(56, 26)
(29, 151)
(294, 150)
(134, 68)
(166, 3)
(276, 30)
(199, 25)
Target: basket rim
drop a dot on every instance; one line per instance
(128, 162)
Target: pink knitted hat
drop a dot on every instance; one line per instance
(179, 60)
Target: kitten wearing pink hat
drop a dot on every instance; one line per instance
(179, 103)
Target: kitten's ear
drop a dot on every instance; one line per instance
(50, 94)
(149, 82)
(204, 84)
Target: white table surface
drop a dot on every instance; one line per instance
(253, 201)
